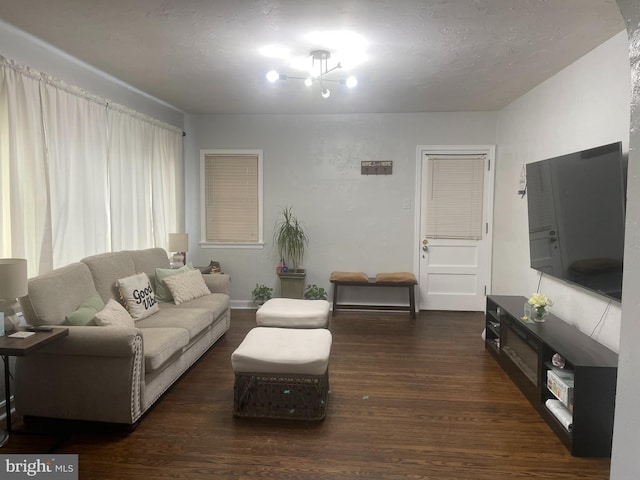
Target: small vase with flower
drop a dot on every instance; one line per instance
(537, 307)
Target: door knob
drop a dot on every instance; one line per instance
(425, 248)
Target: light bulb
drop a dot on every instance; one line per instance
(352, 81)
(272, 76)
(308, 81)
(326, 93)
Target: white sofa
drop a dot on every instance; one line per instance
(109, 374)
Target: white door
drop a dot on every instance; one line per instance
(454, 246)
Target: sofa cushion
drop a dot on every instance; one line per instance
(86, 311)
(106, 268)
(283, 350)
(218, 282)
(216, 303)
(194, 320)
(160, 344)
(56, 293)
(138, 296)
(114, 315)
(396, 277)
(348, 277)
(148, 260)
(163, 294)
(186, 286)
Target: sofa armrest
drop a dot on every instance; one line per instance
(94, 374)
(95, 342)
(218, 282)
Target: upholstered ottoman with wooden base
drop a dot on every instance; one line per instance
(282, 373)
(293, 313)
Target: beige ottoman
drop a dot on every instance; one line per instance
(293, 313)
(282, 373)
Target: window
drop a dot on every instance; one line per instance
(454, 208)
(231, 186)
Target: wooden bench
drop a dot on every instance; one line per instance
(360, 279)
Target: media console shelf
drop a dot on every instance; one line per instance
(525, 350)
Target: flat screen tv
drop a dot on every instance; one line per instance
(576, 206)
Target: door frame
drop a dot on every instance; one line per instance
(421, 150)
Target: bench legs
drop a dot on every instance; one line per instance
(412, 298)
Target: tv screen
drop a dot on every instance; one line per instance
(576, 206)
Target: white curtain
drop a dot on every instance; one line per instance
(76, 136)
(130, 174)
(167, 180)
(79, 175)
(25, 221)
(146, 174)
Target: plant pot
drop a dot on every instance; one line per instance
(292, 283)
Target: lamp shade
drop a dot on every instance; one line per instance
(178, 242)
(13, 278)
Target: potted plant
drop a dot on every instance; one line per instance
(313, 292)
(261, 294)
(290, 238)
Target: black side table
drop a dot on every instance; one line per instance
(19, 347)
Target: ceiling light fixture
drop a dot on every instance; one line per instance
(318, 69)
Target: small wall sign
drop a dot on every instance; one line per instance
(376, 167)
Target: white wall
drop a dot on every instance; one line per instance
(312, 162)
(583, 106)
(27, 50)
(625, 463)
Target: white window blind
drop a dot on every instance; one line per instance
(231, 198)
(454, 203)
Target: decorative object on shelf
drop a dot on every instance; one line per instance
(537, 307)
(557, 360)
(213, 267)
(318, 69)
(13, 285)
(179, 243)
(313, 292)
(261, 294)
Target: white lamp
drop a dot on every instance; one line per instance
(13, 285)
(179, 243)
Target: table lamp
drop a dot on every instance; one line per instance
(179, 243)
(13, 285)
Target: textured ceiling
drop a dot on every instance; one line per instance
(203, 56)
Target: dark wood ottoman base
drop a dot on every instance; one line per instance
(274, 395)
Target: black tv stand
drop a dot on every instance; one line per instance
(525, 351)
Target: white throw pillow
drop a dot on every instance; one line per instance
(138, 296)
(162, 292)
(114, 315)
(186, 286)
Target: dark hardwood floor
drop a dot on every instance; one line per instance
(409, 400)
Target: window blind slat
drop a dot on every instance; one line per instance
(231, 198)
(455, 198)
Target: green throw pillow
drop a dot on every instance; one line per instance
(86, 311)
(162, 292)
